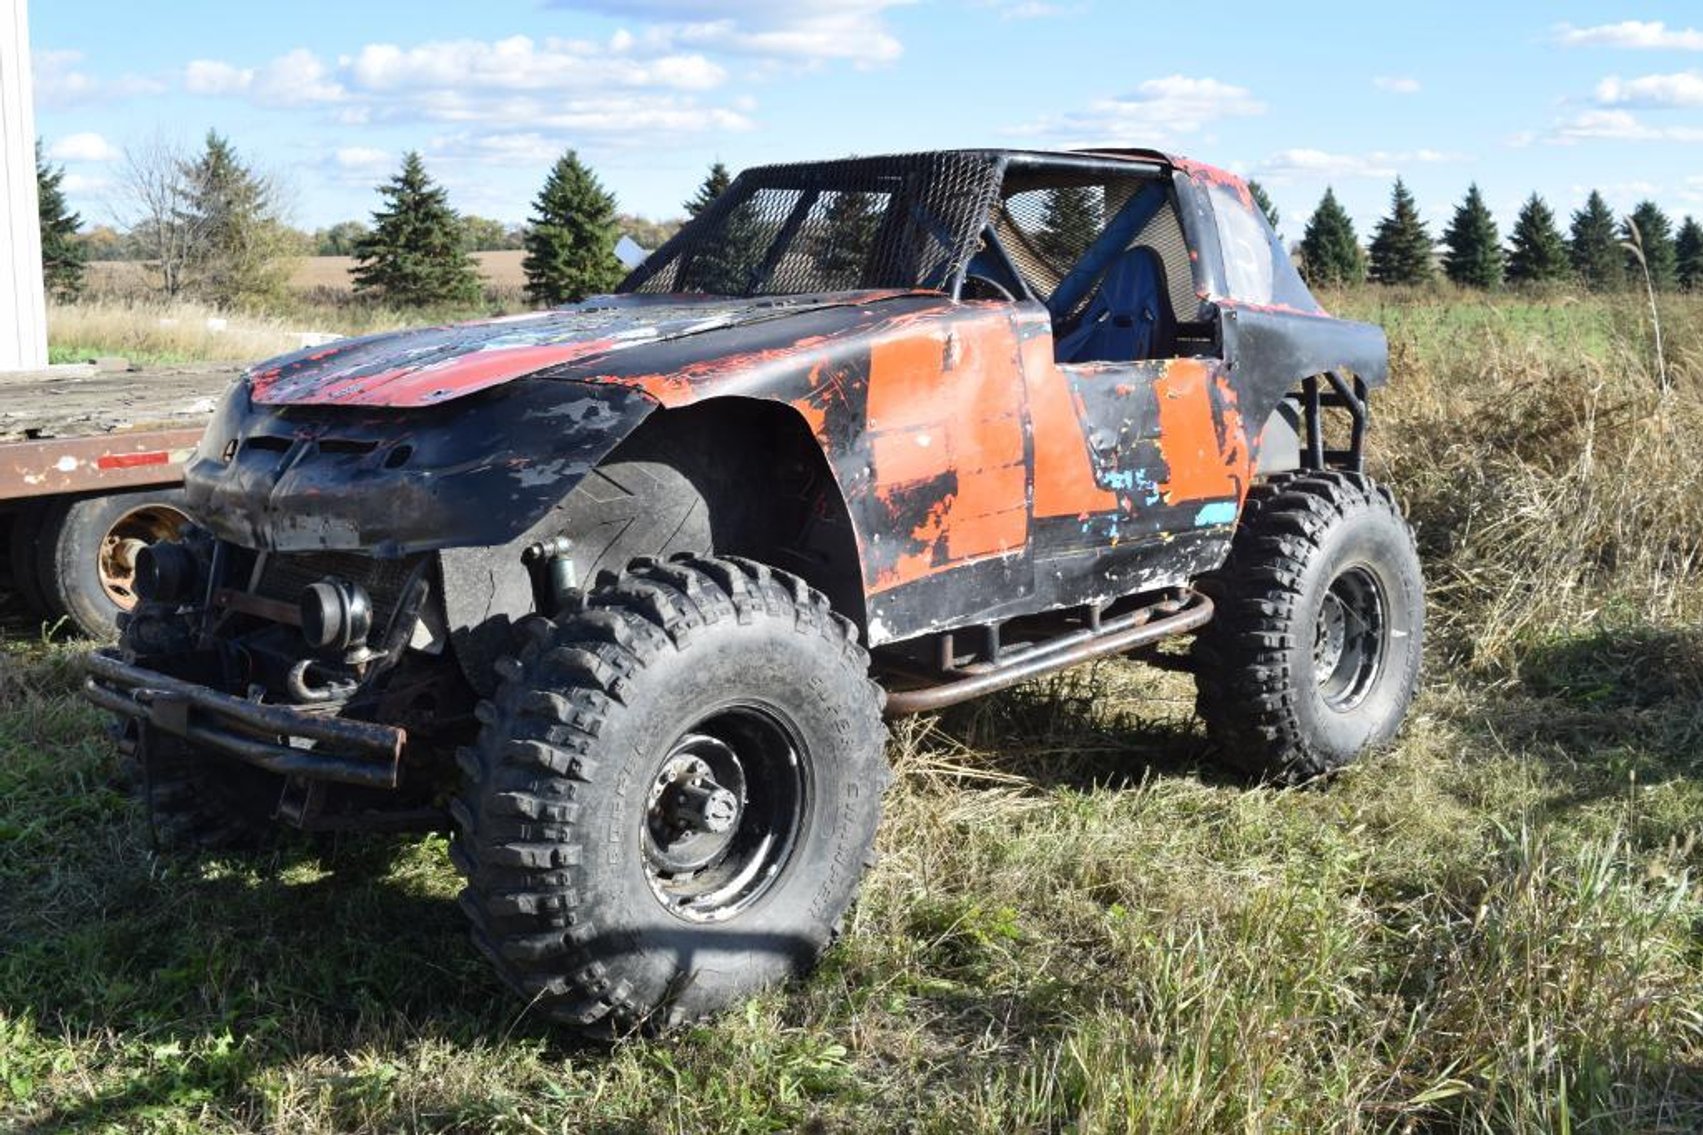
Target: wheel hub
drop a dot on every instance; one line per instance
(1350, 638)
(128, 535)
(721, 816)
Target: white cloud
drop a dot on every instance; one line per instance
(62, 79)
(526, 148)
(58, 80)
(85, 185)
(1645, 34)
(1397, 84)
(82, 148)
(1616, 126)
(211, 77)
(1684, 88)
(297, 78)
(518, 63)
(1381, 164)
(1156, 112)
(623, 89)
(1031, 9)
(365, 159)
(782, 31)
(633, 120)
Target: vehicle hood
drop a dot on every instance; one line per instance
(432, 365)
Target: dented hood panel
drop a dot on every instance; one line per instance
(432, 365)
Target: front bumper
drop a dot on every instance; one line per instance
(282, 739)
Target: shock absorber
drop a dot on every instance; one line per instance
(554, 578)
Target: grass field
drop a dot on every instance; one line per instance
(307, 273)
(1077, 923)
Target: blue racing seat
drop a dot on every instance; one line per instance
(1128, 318)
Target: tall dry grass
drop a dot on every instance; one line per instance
(182, 332)
(1554, 487)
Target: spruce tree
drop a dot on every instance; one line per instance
(570, 242)
(1330, 250)
(715, 183)
(236, 241)
(1401, 248)
(842, 247)
(1654, 238)
(1069, 224)
(62, 256)
(413, 254)
(1536, 252)
(1688, 255)
(1263, 200)
(1473, 256)
(1594, 248)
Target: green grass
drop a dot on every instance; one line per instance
(1076, 924)
(75, 353)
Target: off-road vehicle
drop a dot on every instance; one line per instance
(625, 587)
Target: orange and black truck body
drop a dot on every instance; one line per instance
(949, 389)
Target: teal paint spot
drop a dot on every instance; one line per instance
(1218, 512)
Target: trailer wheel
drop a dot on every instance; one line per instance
(86, 549)
(26, 531)
(1313, 655)
(674, 796)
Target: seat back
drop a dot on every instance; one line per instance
(1129, 316)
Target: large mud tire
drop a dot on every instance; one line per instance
(1313, 654)
(566, 838)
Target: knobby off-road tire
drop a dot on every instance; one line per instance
(1313, 654)
(601, 892)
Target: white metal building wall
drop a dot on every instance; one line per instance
(23, 313)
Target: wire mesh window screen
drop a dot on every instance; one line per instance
(902, 222)
(1047, 221)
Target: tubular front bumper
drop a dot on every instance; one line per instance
(280, 738)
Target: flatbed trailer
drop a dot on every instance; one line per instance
(90, 464)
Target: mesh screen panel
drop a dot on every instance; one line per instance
(1047, 221)
(897, 222)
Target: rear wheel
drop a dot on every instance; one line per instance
(1313, 653)
(85, 553)
(674, 795)
(24, 537)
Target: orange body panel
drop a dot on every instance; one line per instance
(1206, 463)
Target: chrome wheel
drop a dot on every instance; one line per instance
(1350, 639)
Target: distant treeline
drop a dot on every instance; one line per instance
(208, 225)
(1599, 251)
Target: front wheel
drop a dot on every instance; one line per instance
(674, 795)
(1313, 654)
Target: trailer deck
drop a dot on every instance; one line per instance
(84, 429)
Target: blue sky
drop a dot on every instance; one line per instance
(1552, 97)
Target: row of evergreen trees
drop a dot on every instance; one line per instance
(209, 227)
(1598, 251)
(415, 252)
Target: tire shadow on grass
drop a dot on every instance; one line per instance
(1605, 728)
(1616, 699)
